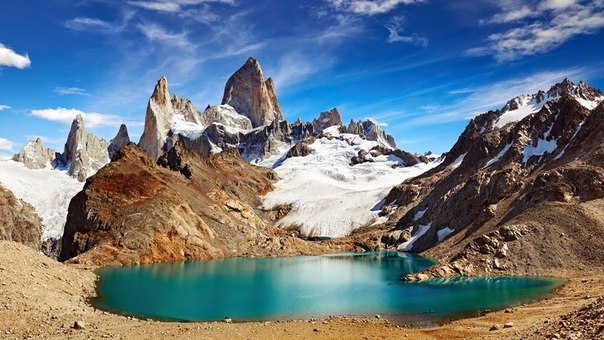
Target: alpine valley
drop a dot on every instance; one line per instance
(521, 193)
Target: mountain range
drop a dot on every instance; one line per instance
(236, 179)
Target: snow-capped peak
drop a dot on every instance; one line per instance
(524, 105)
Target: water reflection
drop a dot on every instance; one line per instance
(257, 289)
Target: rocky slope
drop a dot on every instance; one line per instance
(190, 207)
(18, 220)
(521, 186)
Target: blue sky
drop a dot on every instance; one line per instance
(420, 68)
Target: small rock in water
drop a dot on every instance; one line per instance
(227, 320)
(495, 328)
(377, 316)
(508, 325)
(78, 325)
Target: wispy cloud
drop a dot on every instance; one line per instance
(4, 107)
(174, 6)
(10, 58)
(491, 96)
(395, 28)
(6, 144)
(157, 33)
(295, 67)
(66, 116)
(96, 25)
(540, 27)
(369, 7)
(198, 10)
(65, 91)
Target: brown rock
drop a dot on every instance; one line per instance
(18, 220)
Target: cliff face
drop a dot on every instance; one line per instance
(191, 207)
(84, 152)
(250, 95)
(158, 120)
(512, 186)
(18, 220)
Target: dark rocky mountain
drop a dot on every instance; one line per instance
(508, 191)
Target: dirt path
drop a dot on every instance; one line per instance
(41, 298)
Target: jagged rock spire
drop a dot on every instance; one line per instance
(84, 153)
(158, 120)
(250, 95)
(119, 141)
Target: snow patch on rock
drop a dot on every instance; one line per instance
(329, 197)
(422, 229)
(49, 191)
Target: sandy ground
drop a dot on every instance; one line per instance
(42, 298)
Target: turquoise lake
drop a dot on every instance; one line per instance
(251, 289)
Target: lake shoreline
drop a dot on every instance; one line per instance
(40, 297)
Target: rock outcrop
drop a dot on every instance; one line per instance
(538, 174)
(185, 108)
(18, 220)
(84, 153)
(327, 119)
(227, 116)
(158, 120)
(35, 155)
(196, 207)
(369, 130)
(119, 141)
(250, 95)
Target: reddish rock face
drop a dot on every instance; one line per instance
(250, 95)
(18, 220)
(191, 207)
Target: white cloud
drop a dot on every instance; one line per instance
(64, 91)
(6, 144)
(369, 7)
(10, 58)
(4, 107)
(395, 27)
(66, 116)
(542, 27)
(491, 96)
